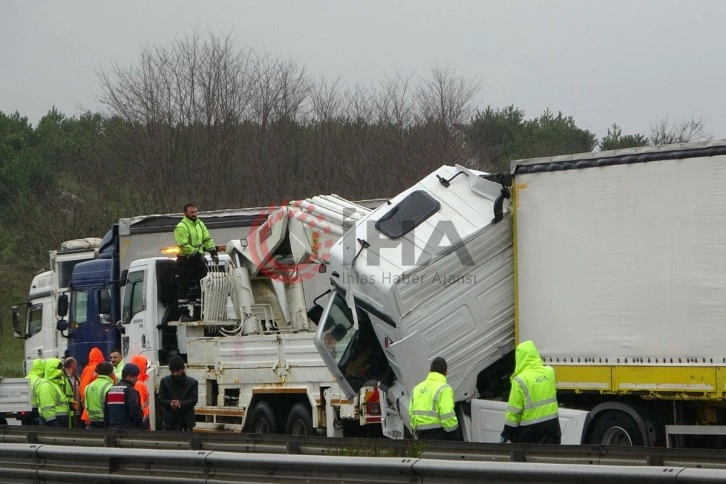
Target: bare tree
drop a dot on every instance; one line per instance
(183, 104)
(326, 100)
(444, 103)
(279, 89)
(359, 104)
(663, 133)
(446, 97)
(392, 101)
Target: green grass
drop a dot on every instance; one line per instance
(14, 284)
(11, 349)
(380, 448)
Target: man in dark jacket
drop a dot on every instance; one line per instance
(178, 397)
(123, 405)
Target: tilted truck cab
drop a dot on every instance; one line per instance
(430, 274)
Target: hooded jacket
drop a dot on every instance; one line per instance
(95, 356)
(532, 410)
(52, 403)
(35, 376)
(140, 385)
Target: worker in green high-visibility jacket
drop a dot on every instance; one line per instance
(432, 406)
(532, 412)
(52, 402)
(193, 239)
(35, 376)
(95, 396)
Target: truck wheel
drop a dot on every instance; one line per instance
(616, 428)
(3, 421)
(300, 421)
(263, 419)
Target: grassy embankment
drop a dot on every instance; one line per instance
(13, 290)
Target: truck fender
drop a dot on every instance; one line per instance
(637, 413)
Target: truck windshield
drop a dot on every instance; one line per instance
(357, 353)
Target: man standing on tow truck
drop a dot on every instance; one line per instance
(193, 239)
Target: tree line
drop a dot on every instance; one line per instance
(205, 120)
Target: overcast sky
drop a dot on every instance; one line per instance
(633, 62)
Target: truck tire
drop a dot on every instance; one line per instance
(3, 421)
(300, 420)
(616, 428)
(263, 420)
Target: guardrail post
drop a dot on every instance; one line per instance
(195, 443)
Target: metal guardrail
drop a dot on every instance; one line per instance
(39, 453)
(287, 444)
(56, 464)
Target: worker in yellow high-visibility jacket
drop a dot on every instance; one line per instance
(532, 412)
(432, 406)
(193, 239)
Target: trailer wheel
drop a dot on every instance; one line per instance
(300, 421)
(263, 419)
(616, 428)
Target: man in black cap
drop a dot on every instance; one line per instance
(123, 404)
(178, 396)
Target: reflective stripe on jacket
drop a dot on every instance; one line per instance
(122, 409)
(52, 401)
(35, 376)
(192, 237)
(533, 398)
(432, 405)
(95, 397)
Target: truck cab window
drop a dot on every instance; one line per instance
(104, 305)
(35, 319)
(133, 295)
(407, 214)
(79, 309)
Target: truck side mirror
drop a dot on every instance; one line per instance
(63, 305)
(16, 322)
(61, 325)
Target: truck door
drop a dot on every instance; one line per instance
(35, 344)
(354, 357)
(133, 314)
